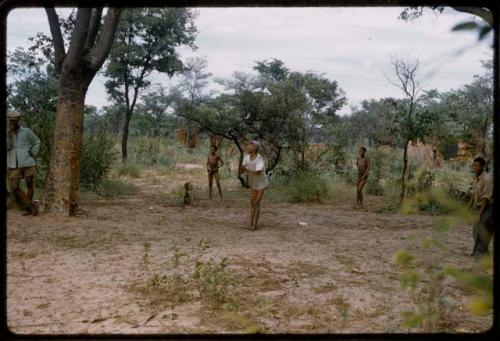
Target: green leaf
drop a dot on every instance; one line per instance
(402, 258)
(483, 32)
(468, 25)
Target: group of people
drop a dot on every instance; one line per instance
(254, 166)
(23, 146)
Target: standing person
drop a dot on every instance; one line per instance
(482, 204)
(22, 147)
(214, 162)
(253, 165)
(363, 164)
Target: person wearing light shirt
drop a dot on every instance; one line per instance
(253, 164)
(22, 147)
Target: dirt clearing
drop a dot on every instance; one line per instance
(129, 266)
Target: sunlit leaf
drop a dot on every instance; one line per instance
(469, 25)
(402, 258)
(480, 305)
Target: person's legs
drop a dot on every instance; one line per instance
(484, 231)
(210, 182)
(20, 195)
(30, 186)
(475, 236)
(362, 184)
(217, 181)
(258, 199)
(253, 200)
(357, 192)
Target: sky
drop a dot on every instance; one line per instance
(352, 46)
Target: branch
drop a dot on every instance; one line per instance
(76, 46)
(100, 52)
(95, 23)
(57, 39)
(483, 13)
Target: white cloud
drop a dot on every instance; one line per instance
(349, 45)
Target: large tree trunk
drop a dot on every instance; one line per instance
(126, 125)
(61, 191)
(405, 170)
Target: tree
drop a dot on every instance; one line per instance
(76, 64)
(146, 41)
(409, 122)
(191, 92)
(155, 114)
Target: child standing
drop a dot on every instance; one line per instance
(253, 165)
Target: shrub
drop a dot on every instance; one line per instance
(129, 169)
(97, 157)
(144, 150)
(214, 281)
(381, 160)
(304, 186)
(113, 188)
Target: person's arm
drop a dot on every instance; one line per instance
(367, 168)
(208, 165)
(35, 143)
(221, 162)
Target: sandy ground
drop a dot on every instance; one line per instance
(334, 275)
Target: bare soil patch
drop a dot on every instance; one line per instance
(334, 275)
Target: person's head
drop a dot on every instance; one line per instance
(478, 165)
(252, 147)
(362, 151)
(13, 118)
(213, 149)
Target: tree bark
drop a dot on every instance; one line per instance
(126, 125)
(405, 170)
(61, 191)
(76, 69)
(243, 180)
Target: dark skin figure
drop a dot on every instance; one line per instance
(363, 164)
(25, 198)
(477, 169)
(214, 162)
(256, 196)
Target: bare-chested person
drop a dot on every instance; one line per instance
(214, 162)
(363, 164)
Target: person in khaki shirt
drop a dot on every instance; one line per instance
(482, 204)
(22, 147)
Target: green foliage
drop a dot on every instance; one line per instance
(425, 279)
(303, 186)
(98, 155)
(129, 169)
(214, 281)
(403, 258)
(113, 188)
(381, 160)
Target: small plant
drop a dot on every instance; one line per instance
(214, 281)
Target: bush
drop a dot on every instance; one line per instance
(97, 157)
(144, 150)
(129, 169)
(300, 186)
(113, 188)
(381, 160)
